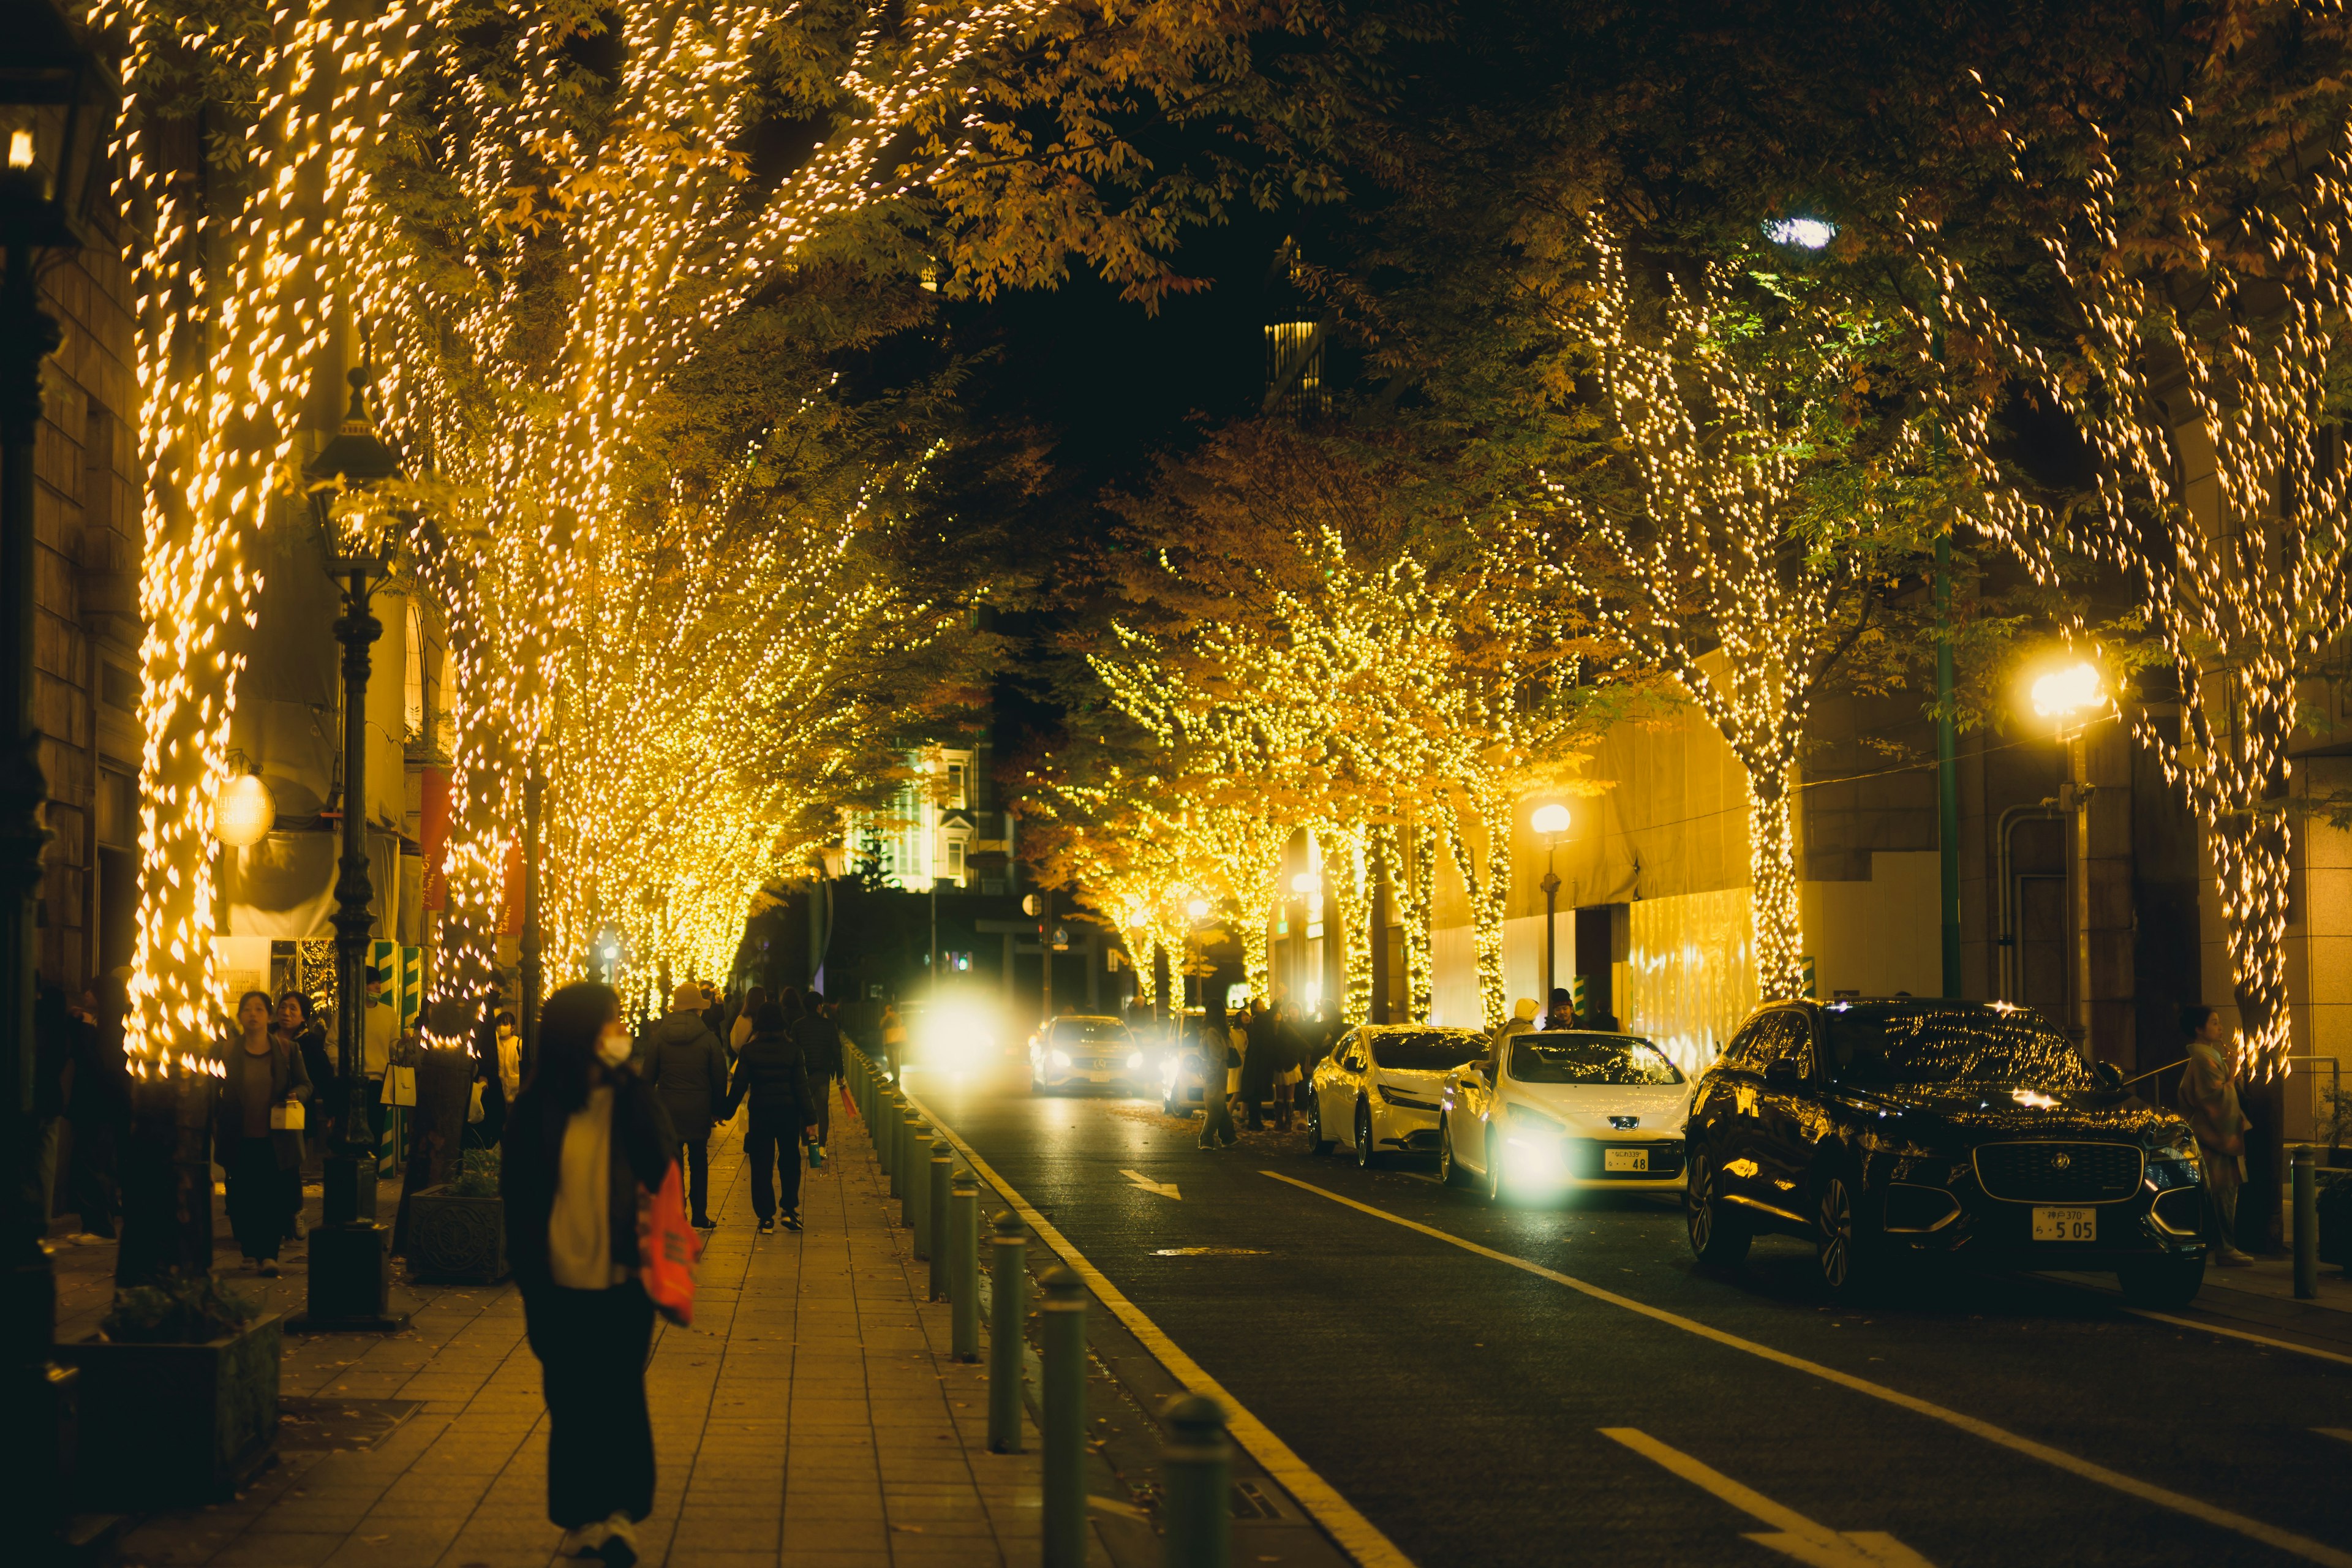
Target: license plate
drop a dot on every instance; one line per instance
(2066, 1224)
(1625, 1160)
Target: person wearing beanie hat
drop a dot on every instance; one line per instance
(686, 1067)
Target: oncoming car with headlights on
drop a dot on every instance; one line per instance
(956, 1035)
(1379, 1088)
(1555, 1110)
(1089, 1052)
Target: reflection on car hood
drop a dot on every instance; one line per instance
(1588, 1106)
(1982, 1110)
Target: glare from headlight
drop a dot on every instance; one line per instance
(1134, 1060)
(1060, 1059)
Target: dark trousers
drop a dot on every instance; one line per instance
(592, 1348)
(697, 1177)
(768, 1147)
(90, 1180)
(257, 1196)
(824, 1086)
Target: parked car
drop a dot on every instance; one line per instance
(1881, 1129)
(1561, 1110)
(1077, 1051)
(1383, 1084)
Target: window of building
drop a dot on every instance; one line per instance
(956, 847)
(958, 777)
(118, 687)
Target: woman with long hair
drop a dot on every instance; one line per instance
(262, 1073)
(583, 1136)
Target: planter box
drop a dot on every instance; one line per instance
(175, 1426)
(454, 1240)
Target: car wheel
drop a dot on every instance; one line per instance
(1837, 1240)
(1717, 1238)
(1366, 1158)
(1449, 1169)
(2161, 1282)
(1316, 1142)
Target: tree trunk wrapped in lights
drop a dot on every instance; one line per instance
(1347, 871)
(1704, 547)
(1419, 860)
(2161, 253)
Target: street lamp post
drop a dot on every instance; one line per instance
(56, 102)
(1551, 821)
(2072, 698)
(351, 1258)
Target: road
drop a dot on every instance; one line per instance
(1482, 1414)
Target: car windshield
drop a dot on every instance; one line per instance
(1929, 1043)
(1425, 1050)
(1087, 1031)
(1570, 1057)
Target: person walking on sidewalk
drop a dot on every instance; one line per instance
(583, 1137)
(2210, 1098)
(263, 1073)
(685, 1063)
(1221, 1079)
(753, 1000)
(819, 1038)
(773, 1075)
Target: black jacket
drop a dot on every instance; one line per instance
(775, 1073)
(688, 1067)
(819, 1038)
(643, 1150)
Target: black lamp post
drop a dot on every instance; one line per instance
(56, 104)
(350, 1254)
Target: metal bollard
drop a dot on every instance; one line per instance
(885, 1136)
(935, 1217)
(915, 1176)
(1063, 1404)
(1196, 1486)
(915, 1214)
(2306, 1222)
(1007, 1276)
(963, 1265)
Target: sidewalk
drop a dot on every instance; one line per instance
(812, 1418)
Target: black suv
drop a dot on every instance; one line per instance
(1876, 1129)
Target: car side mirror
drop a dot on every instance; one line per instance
(2109, 1074)
(1781, 1073)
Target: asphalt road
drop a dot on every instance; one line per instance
(1482, 1414)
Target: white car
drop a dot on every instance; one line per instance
(1381, 1087)
(1079, 1051)
(1561, 1110)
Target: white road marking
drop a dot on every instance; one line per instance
(2271, 1535)
(1165, 1189)
(1354, 1534)
(2155, 1317)
(2341, 1434)
(1794, 1535)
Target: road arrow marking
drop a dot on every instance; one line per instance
(1815, 1545)
(1165, 1189)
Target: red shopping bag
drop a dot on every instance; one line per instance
(668, 1247)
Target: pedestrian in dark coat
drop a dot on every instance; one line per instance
(819, 1038)
(262, 1071)
(583, 1138)
(773, 1075)
(688, 1067)
(1259, 1063)
(100, 1111)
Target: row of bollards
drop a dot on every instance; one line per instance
(941, 1206)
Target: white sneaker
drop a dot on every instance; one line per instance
(619, 1549)
(585, 1540)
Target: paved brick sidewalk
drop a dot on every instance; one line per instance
(812, 1418)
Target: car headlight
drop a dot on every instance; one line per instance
(2174, 1143)
(1522, 1122)
(1134, 1060)
(1060, 1059)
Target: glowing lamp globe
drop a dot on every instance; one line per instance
(1197, 909)
(1306, 882)
(2063, 693)
(248, 812)
(1550, 819)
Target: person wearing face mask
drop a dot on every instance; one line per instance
(583, 1136)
